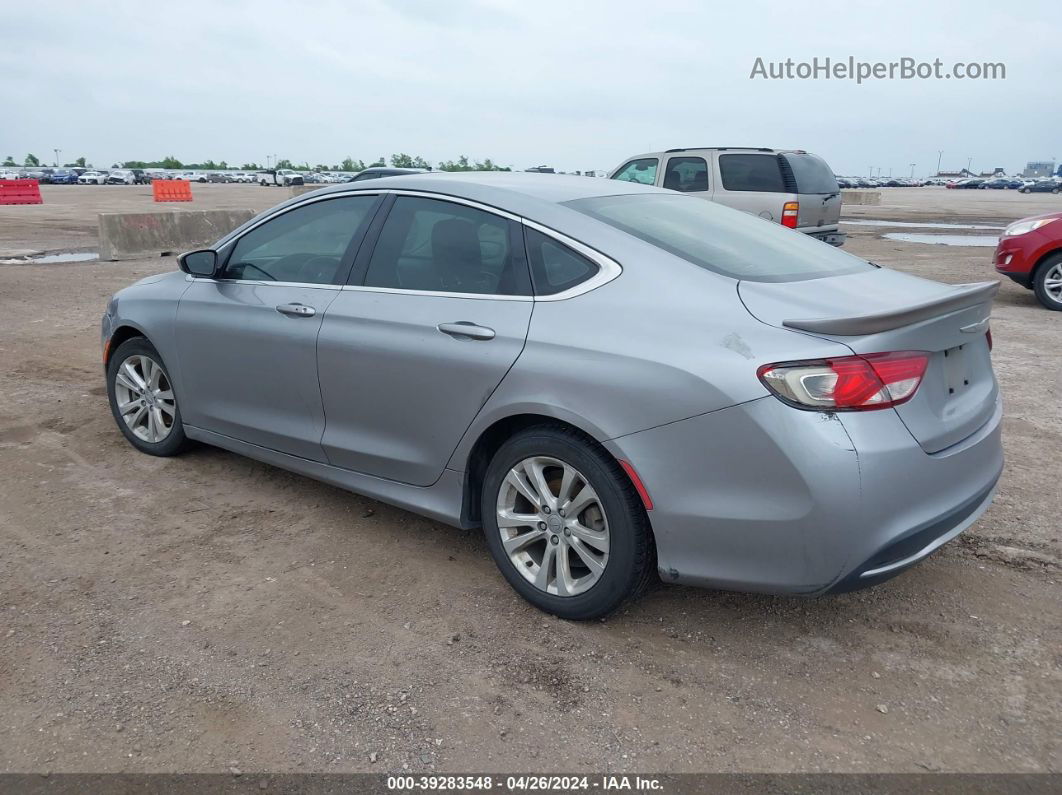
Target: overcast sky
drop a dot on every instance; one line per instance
(576, 85)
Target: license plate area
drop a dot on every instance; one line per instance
(956, 370)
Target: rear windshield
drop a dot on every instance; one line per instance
(811, 173)
(720, 239)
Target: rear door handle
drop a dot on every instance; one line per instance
(463, 328)
(296, 310)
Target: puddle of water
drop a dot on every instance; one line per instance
(944, 240)
(915, 225)
(69, 256)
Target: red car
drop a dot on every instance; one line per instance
(1030, 253)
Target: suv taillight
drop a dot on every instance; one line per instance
(849, 383)
(790, 210)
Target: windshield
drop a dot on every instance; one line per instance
(720, 239)
(811, 173)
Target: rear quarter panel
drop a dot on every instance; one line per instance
(664, 341)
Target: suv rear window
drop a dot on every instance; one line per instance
(811, 173)
(719, 239)
(752, 172)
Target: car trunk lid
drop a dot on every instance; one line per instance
(883, 310)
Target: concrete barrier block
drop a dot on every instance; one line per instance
(298, 190)
(133, 235)
(860, 197)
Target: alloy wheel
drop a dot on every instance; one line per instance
(553, 526)
(1053, 283)
(144, 397)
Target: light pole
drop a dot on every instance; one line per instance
(57, 151)
(940, 154)
(912, 170)
(969, 162)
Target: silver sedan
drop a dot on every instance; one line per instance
(614, 381)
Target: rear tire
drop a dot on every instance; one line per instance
(143, 400)
(603, 542)
(1047, 283)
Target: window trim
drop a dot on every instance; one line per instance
(608, 268)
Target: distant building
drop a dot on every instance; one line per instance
(953, 174)
(1039, 168)
(541, 169)
(996, 172)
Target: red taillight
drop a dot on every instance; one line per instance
(988, 336)
(790, 211)
(848, 383)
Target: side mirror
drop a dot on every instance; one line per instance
(199, 263)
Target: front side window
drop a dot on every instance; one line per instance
(555, 267)
(721, 239)
(304, 245)
(686, 174)
(439, 246)
(641, 171)
(759, 173)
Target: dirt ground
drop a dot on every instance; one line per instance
(208, 613)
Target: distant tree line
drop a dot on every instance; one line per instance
(400, 160)
(33, 161)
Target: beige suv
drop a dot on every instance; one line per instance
(791, 187)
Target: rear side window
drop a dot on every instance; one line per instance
(555, 267)
(719, 239)
(759, 173)
(811, 173)
(641, 171)
(432, 245)
(686, 174)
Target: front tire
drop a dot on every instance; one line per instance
(143, 401)
(564, 524)
(1047, 283)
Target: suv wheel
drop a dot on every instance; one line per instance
(142, 399)
(564, 524)
(1047, 283)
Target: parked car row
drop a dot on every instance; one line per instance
(1045, 185)
(878, 182)
(66, 175)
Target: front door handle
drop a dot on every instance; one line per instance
(296, 310)
(463, 328)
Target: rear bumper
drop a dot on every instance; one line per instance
(762, 497)
(902, 553)
(832, 236)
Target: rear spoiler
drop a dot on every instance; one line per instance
(963, 296)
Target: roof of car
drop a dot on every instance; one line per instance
(505, 189)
